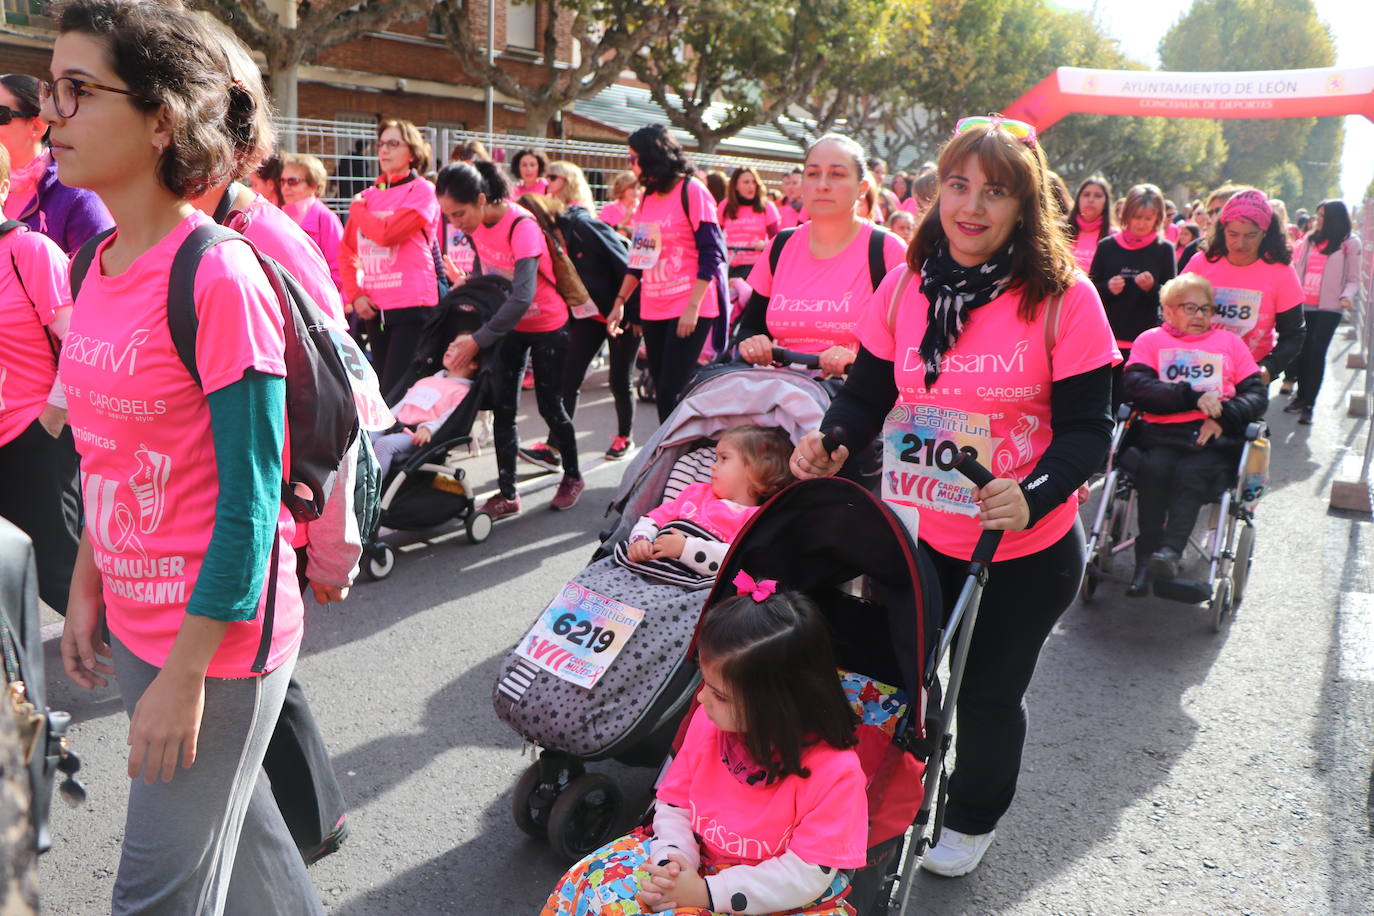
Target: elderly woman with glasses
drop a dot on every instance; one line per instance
(1198, 387)
(989, 341)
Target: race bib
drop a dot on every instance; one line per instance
(921, 444)
(373, 414)
(1199, 369)
(579, 635)
(646, 244)
(587, 309)
(1238, 310)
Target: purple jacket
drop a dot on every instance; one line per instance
(66, 215)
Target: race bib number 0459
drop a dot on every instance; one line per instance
(921, 445)
(579, 635)
(1201, 370)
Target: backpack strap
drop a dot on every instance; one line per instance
(1053, 312)
(877, 255)
(686, 180)
(9, 226)
(226, 204)
(6, 228)
(896, 299)
(81, 264)
(775, 249)
(182, 321)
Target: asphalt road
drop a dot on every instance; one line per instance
(1168, 769)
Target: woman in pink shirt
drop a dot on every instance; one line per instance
(530, 167)
(38, 461)
(1248, 259)
(678, 251)
(386, 259)
(1328, 263)
(186, 553)
(1091, 220)
(992, 342)
(624, 201)
(748, 218)
(303, 180)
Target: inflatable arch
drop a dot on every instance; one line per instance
(1320, 92)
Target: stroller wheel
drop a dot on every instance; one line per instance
(478, 527)
(533, 798)
(381, 562)
(584, 816)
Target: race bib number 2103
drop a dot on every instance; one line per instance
(922, 443)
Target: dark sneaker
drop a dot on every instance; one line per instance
(1140, 582)
(620, 445)
(569, 492)
(543, 455)
(1164, 563)
(1286, 387)
(501, 506)
(329, 845)
(1305, 418)
(1294, 406)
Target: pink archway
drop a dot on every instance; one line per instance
(1250, 94)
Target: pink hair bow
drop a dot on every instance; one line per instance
(759, 590)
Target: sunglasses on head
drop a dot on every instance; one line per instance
(8, 114)
(1018, 129)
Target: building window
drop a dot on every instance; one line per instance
(521, 29)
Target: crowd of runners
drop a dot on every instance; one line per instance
(973, 300)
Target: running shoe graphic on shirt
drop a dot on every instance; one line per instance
(1020, 439)
(149, 486)
(109, 521)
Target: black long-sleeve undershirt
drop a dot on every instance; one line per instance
(1291, 330)
(1080, 425)
(1146, 391)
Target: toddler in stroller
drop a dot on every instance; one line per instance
(689, 534)
(423, 410)
(763, 810)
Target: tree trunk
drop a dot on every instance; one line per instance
(283, 76)
(537, 118)
(707, 141)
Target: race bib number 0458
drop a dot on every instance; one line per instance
(921, 445)
(579, 635)
(1238, 310)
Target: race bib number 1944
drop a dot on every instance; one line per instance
(579, 635)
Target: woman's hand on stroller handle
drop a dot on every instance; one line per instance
(1001, 503)
(812, 458)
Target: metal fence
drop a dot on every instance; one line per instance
(348, 150)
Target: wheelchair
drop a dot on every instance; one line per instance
(1225, 546)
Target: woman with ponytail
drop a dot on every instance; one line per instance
(533, 322)
(1091, 220)
(186, 532)
(390, 237)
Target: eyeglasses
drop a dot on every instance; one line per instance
(292, 181)
(390, 144)
(1211, 213)
(8, 114)
(66, 91)
(1195, 308)
(1018, 129)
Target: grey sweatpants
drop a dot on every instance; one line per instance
(185, 840)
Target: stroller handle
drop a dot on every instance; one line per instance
(979, 476)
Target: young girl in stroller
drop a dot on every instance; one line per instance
(421, 412)
(763, 810)
(1198, 388)
(750, 466)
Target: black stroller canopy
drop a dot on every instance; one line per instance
(818, 535)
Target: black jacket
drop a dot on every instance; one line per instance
(1133, 311)
(1146, 391)
(599, 253)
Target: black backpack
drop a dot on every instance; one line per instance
(321, 415)
(877, 262)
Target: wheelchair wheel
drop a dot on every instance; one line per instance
(1245, 556)
(1220, 605)
(584, 816)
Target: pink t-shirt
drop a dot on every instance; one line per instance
(1312, 272)
(502, 245)
(400, 275)
(748, 227)
(793, 216)
(1215, 361)
(540, 186)
(1085, 246)
(279, 237)
(1249, 298)
(142, 426)
(613, 213)
(432, 399)
(324, 228)
(699, 505)
(993, 395)
(814, 304)
(913, 206)
(28, 304)
(823, 818)
(666, 287)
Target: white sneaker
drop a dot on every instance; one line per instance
(957, 853)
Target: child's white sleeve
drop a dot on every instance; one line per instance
(703, 556)
(673, 828)
(781, 884)
(644, 528)
(336, 544)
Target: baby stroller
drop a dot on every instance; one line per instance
(1226, 549)
(428, 488)
(632, 711)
